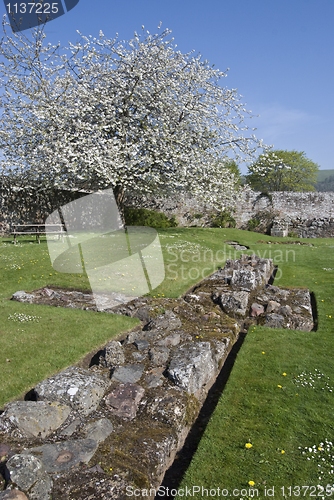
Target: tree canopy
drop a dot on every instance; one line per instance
(281, 170)
(103, 113)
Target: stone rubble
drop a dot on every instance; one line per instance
(120, 423)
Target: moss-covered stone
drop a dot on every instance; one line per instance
(192, 411)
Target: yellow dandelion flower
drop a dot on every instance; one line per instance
(263, 352)
(284, 374)
(279, 386)
(251, 483)
(248, 445)
(282, 451)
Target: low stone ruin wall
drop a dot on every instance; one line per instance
(112, 430)
(312, 228)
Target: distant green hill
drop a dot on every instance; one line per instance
(323, 174)
(325, 180)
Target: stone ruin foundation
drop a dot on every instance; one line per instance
(105, 431)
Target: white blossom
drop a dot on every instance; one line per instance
(137, 115)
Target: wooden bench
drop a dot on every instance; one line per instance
(37, 229)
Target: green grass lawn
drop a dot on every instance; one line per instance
(42, 340)
(262, 404)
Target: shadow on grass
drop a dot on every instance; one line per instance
(314, 312)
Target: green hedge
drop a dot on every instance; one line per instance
(223, 219)
(145, 217)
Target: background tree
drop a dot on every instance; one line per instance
(281, 170)
(137, 116)
(232, 166)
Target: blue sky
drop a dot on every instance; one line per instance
(280, 55)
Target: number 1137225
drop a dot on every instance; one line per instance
(308, 491)
(33, 8)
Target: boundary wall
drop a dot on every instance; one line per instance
(308, 215)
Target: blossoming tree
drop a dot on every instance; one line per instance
(135, 116)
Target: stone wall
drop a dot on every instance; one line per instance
(309, 215)
(21, 206)
(183, 206)
(302, 206)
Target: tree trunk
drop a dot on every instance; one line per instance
(119, 193)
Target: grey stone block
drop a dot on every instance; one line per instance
(22, 296)
(284, 310)
(234, 303)
(274, 320)
(153, 381)
(192, 366)
(25, 469)
(298, 322)
(139, 356)
(99, 430)
(141, 344)
(220, 349)
(159, 356)
(113, 354)
(170, 341)
(143, 314)
(81, 389)
(243, 279)
(62, 456)
(128, 373)
(71, 428)
(42, 489)
(36, 418)
(272, 306)
(167, 321)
